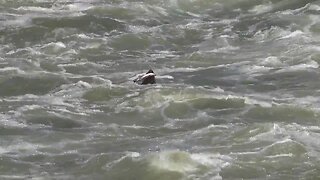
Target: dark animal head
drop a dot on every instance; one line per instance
(150, 71)
(150, 79)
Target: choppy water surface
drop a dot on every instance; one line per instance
(237, 93)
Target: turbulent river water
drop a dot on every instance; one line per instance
(237, 92)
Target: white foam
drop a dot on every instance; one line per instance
(263, 8)
(8, 121)
(163, 54)
(83, 36)
(12, 69)
(165, 77)
(140, 29)
(313, 48)
(76, 7)
(314, 7)
(36, 9)
(251, 69)
(83, 84)
(128, 154)
(30, 50)
(212, 160)
(92, 45)
(310, 102)
(280, 155)
(29, 107)
(21, 147)
(173, 161)
(54, 46)
(20, 20)
(218, 45)
(282, 141)
(160, 10)
(300, 67)
(257, 102)
(293, 34)
(277, 33)
(271, 61)
(190, 164)
(218, 89)
(226, 49)
(273, 133)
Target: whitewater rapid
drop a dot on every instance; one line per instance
(237, 92)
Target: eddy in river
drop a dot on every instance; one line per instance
(146, 78)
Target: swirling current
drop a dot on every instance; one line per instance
(237, 93)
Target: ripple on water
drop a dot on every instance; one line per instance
(130, 42)
(282, 113)
(104, 94)
(18, 85)
(52, 120)
(84, 23)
